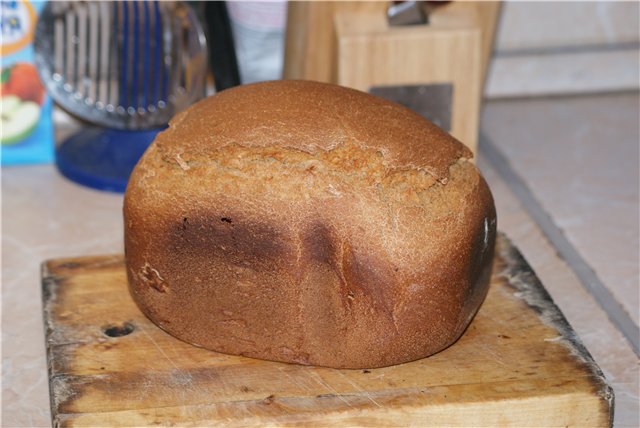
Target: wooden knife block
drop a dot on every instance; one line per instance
(367, 52)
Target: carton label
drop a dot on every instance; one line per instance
(26, 132)
(17, 25)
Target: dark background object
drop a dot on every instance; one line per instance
(222, 54)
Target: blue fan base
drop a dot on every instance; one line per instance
(103, 158)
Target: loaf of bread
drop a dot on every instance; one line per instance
(305, 222)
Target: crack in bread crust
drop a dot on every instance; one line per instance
(313, 117)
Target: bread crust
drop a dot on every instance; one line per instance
(304, 222)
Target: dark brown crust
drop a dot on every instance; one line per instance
(293, 221)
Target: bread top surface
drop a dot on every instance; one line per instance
(311, 117)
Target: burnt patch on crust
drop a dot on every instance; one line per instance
(365, 277)
(227, 237)
(359, 276)
(480, 258)
(321, 244)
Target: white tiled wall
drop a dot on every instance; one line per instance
(565, 47)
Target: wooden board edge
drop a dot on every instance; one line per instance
(528, 413)
(49, 288)
(519, 275)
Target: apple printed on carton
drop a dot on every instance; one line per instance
(21, 95)
(22, 79)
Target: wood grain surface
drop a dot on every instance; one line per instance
(518, 364)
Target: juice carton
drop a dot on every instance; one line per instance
(26, 131)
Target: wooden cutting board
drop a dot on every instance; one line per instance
(518, 364)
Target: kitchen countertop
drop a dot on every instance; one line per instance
(45, 216)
